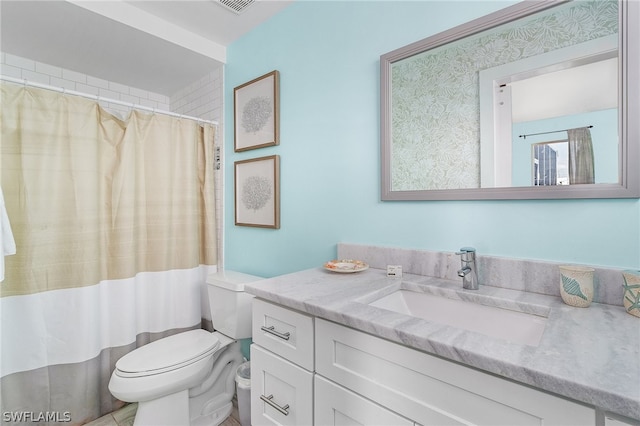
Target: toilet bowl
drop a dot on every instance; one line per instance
(189, 378)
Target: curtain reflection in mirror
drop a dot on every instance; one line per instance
(581, 160)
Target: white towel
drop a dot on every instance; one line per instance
(7, 243)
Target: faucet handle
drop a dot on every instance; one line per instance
(467, 254)
(466, 250)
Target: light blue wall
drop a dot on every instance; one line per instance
(328, 53)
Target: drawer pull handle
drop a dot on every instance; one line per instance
(269, 400)
(272, 330)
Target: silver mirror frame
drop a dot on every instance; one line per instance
(628, 126)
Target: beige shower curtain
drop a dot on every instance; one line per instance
(112, 219)
(98, 198)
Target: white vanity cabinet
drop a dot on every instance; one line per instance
(281, 366)
(307, 371)
(430, 390)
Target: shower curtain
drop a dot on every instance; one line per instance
(581, 160)
(114, 225)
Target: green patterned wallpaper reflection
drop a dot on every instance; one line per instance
(435, 106)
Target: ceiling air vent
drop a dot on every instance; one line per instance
(237, 6)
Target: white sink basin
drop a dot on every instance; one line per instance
(514, 326)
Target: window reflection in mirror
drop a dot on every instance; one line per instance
(550, 163)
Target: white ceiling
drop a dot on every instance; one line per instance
(566, 92)
(160, 46)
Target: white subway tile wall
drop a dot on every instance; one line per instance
(27, 69)
(202, 99)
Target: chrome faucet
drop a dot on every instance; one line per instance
(468, 271)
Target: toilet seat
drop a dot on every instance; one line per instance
(167, 354)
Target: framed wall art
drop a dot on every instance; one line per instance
(256, 113)
(257, 192)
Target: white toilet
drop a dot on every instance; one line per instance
(189, 378)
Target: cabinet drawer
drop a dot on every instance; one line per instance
(433, 391)
(283, 331)
(335, 405)
(281, 392)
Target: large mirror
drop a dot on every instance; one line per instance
(539, 100)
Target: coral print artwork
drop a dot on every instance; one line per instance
(257, 192)
(256, 113)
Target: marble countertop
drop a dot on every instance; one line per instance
(587, 354)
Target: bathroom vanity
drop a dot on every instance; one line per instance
(325, 352)
(371, 380)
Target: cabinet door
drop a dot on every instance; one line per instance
(281, 392)
(337, 406)
(284, 332)
(433, 391)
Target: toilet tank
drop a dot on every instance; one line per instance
(230, 305)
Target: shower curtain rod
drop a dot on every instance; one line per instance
(554, 131)
(25, 82)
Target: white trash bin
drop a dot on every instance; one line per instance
(243, 389)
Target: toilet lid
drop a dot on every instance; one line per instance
(168, 354)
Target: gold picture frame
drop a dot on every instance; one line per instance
(257, 192)
(256, 113)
